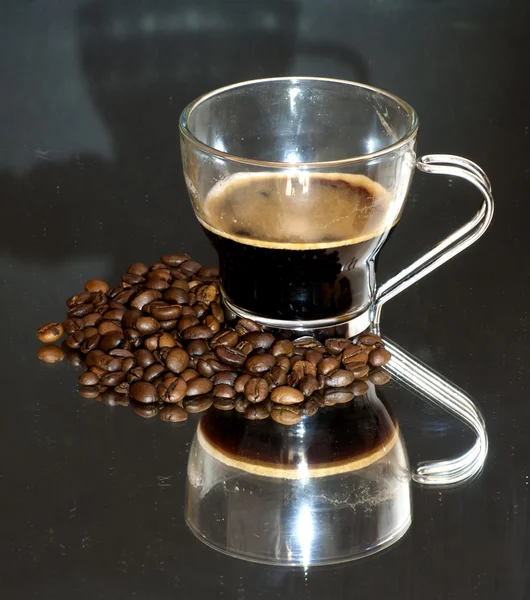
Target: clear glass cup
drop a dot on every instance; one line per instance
(298, 182)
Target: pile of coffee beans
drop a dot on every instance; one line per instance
(162, 343)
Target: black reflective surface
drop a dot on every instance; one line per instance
(90, 177)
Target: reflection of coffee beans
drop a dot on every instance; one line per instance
(335, 440)
(302, 242)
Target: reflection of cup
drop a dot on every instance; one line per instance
(298, 182)
(332, 488)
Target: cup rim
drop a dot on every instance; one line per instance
(192, 139)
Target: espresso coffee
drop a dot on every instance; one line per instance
(339, 439)
(298, 246)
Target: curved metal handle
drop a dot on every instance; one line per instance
(444, 164)
(430, 386)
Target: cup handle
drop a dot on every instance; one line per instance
(444, 164)
(430, 386)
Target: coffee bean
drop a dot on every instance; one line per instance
(105, 327)
(354, 355)
(74, 357)
(91, 342)
(286, 395)
(278, 376)
(260, 340)
(199, 386)
(83, 298)
(147, 411)
(224, 338)
(293, 378)
(112, 340)
(205, 367)
(313, 356)
(223, 390)
(379, 376)
(156, 284)
(339, 378)
(256, 389)
(286, 415)
(127, 364)
(172, 390)
(206, 293)
(176, 295)
(197, 332)
(212, 323)
(152, 372)
(151, 343)
(89, 391)
(114, 315)
(358, 371)
(88, 378)
(308, 385)
(112, 379)
(145, 297)
(360, 388)
(369, 339)
(133, 336)
(132, 279)
(240, 382)
(89, 331)
(260, 363)
(124, 296)
(224, 403)
(217, 311)
(75, 340)
(190, 267)
(97, 371)
(188, 374)
(230, 356)
(282, 348)
(284, 363)
(96, 285)
(50, 332)
(174, 260)
(256, 412)
(168, 312)
(337, 345)
(173, 414)
(181, 284)
(144, 392)
(138, 268)
(80, 310)
(245, 326)
(97, 358)
(135, 374)
(177, 360)
(166, 340)
(147, 325)
(144, 358)
(241, 404)
(208, 272)
(379, 357)
(306, 342)
(197, 405)
(334, 396)
(72, 325)
(304, 367)
(186, 322)
(309, 408)
(197, 348)
(227, 377)
(92, 319)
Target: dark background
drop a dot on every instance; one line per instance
(90, 180)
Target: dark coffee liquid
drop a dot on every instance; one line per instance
(293, 247)
(339, 435)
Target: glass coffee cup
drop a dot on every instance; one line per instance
(298, 183)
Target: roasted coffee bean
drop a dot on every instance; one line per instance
(152, 372)
(304, 367)
(219, 367)
(174, 260)
(50, 353)
(359, 388)
(114, 315)
(199, 386)
(135, 374)
(173, 414)
(133, 336)
(313, 356)
(212, 323)
(80, 310)
(201, 310)
(88, 378)
(379, 376)
(369, 339)
(379, 357)
(147, 325)
(284, 363)
(123, 389)
(138, 268)
(334, 396)
(190, 267)
(166, 340)
(240, 382)
(92, 319)
(176, 295)
(88, 331)
(144, 358)
(259, 339)
(306, 342)
(230, 356)
(72, 325)
(227, 377)
(127, 364)
(256, 412)
(74, 357)
(308, 385)
(309, 408)
(112, 340)
(169, 312)
(121, 353)
(206, 293)
(337, 345)
(89, 391)
(208, 272)
(293, 378)
(245, 326)
(97, 358)
(124, 296)
(177, 360)
(97, 371)
(156, 283)
(224, 338)
(181, 284)
(224, 403)
(223, 390)
(245, 347)
(151, 343)
(84, 298)
(172, 390)
(197, 348)
(199, 404)
(197, 332)
(91, 342)
(186, 322)
(205, 367)
(50, 332)
(75, 340)
(278, 376)
(112, 379)
(354, 355)
(132, 278)
(145, 297)
(339, 378)
(188, 374)
(286, 415)
(168, 325)
(105, 327)
(286, 395)
(358, 371)
(256, 389)
(164, 274)
(144, 392)
(260, 363)
(217, 311)
(241, 404)
(157, 266)
(282, 348)
(96, 285)
(147, 411)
